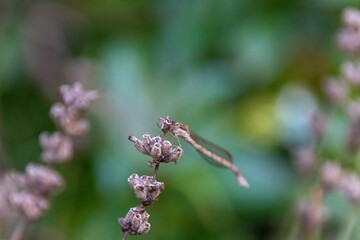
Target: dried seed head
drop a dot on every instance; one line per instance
(57, 148)
(68, 120)
(330, 175)
(146, 188)
(160, 150)
(29, 205)
(76, 97)
(350, 185)
(43, 180)
(135, 221)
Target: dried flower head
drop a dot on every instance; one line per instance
(351, 17)
(146, 188)
(160, 150)
(43, 180)
(135, 221)
(28, 204)
(76, 97)
(68, 120)
(57, 148)
(330, 175)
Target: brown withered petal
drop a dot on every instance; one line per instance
(43, 180)
(29, 205)
(135, 221)
(146, 188)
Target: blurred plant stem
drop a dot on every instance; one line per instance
(19, 230)
(349, 224)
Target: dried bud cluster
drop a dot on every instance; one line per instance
(30, 205)
(349, 37)
(135, 221)
(57, 147)
(146, 188)
(43, 180)
(159, 149)
(68, 114)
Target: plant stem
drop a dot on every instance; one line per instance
(19, 230)
(124, 236)
(349, 224)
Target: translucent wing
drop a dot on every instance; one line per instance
(212, 148)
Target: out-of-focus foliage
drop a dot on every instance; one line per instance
(244, 74)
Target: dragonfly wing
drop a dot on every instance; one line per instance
(213, 148)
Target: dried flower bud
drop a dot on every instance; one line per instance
(139, 145)
(330, 175)
(156, 151)
(29, 205)
(146, 188)
(350, 185)
(43, 180)
(335, 90)
(76, 97)
(57, 148)
(305, 160)
(135, 221)
(166, 147)
(175, 154)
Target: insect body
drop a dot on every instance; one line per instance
(206, 149)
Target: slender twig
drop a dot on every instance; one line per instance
(124, 236)
(20, 229)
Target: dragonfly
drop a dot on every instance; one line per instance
(208, 150)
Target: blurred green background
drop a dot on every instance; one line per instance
(243, 74)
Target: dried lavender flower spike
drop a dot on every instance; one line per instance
(57, 148)
(351, 17)
(350, 185)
